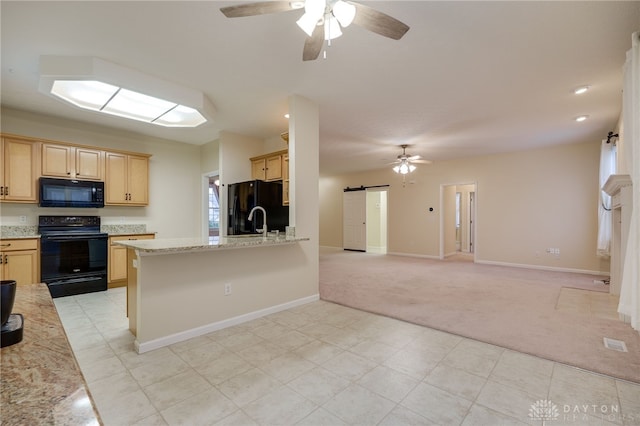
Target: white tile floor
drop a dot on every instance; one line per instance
(325, 364)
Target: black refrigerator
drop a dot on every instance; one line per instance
(244, 196)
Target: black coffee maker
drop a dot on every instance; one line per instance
(12, 324)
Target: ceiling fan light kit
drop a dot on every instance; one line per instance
(323, 20)
(403, 164)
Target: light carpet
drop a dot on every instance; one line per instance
(510, 307)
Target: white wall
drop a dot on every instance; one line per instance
(174, 175)
(262, 277)
(525, 202)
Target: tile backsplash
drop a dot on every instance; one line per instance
(17, 231)
(124, 229)
(24, 231)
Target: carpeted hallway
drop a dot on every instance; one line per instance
(515, 308)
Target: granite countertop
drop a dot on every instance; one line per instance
(177, 245)
(41, 381)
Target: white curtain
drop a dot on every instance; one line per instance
(607, 168)
(629, 305)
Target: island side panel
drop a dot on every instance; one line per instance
(181, 292)
(132, 290)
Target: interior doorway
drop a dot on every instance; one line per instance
(364, 216)
(211, 205)
(377, 220)
(457, 222)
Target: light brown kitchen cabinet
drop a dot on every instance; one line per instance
(267, 167)
(258, 169)
(117, 271)
(19, 260)
(66, 161)
(19, 174)
(127, 179)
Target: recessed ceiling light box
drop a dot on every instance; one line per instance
(101, 86)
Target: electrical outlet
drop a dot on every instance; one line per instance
(227, 289)
(23, 219)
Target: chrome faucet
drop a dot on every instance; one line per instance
(264, 214)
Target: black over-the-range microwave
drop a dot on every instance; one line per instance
(71, 193)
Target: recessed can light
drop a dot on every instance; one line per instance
(580, 90)
(581, 118)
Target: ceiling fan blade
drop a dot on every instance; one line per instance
(313, 44)
(379, 22)
(414, 158)
(421, 161)
(252, 9)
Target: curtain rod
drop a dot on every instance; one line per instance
(611, 135)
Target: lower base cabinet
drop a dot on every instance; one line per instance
(117, 272)
(19, 260)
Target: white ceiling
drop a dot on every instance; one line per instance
(469, 78)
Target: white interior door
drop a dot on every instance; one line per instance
(354, 227)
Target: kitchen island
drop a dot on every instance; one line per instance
(186, 287)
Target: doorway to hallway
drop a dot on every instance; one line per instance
(457, 221)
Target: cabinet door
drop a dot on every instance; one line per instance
(285, 193)
(117, 263)
(285, 167)
(138, 182)
(57, 160)
(274, 168)
(116, 179)
(20, 171)
(88, 164)
(20, 266)
(258, 169)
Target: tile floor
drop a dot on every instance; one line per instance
(325, 364)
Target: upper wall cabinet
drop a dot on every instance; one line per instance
(267, 167)
(19, 173)
(127, 179)
(71, 162)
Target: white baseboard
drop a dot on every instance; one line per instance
(205, 329)
(543, 268)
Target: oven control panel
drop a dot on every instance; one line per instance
(68, 221)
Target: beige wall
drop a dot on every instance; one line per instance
(526, 202)
(210, 157)
(174, 181)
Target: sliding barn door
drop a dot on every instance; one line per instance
(354, 228)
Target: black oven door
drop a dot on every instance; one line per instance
(74, 263)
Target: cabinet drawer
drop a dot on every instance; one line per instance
(20, 244)
(131, 237)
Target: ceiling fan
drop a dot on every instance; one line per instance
(324, 19)
(404, 162)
